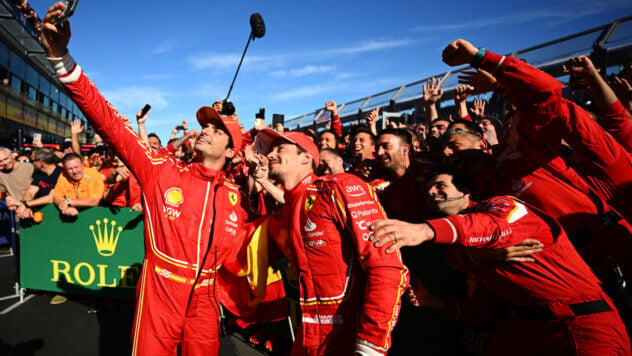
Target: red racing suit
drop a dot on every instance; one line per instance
(193, 222)
(349, 290)
(559, 306)
(531, 169)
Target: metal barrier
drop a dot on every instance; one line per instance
(607, 45)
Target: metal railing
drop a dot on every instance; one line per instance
(607, 45)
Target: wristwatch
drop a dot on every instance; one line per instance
(68, 201)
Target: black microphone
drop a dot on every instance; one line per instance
(257, 25)
(455, 198)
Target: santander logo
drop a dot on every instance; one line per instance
(309, 225)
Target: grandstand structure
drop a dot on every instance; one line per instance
(608, 46)
(32, 100)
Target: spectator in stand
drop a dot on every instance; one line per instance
(40, 192)
(363, 146)
(154, 141)
(330, 162)
(556, 300)
(331, 137)
(98, 156)
(122, 188)
(15, 177)
(492, 128)
(345, 310)
(77, 187)
(67, 146)
(622, 85)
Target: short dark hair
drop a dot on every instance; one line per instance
(338, 139)
(156, 136)
(403, 134)
(440, 119)
(471, 126)
(362, 129)
(332, 151)
(460, 180)
(70, 157)
(45, 155)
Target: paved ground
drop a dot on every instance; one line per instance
(81, 326)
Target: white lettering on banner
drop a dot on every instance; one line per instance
(309, 225)
(363, 213)
(360, 203)
(230, 223)
(367, 235)
(231, 230)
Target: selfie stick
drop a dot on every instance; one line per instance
(258, 29)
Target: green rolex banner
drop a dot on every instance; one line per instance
(99, 252)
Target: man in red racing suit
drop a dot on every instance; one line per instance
(349, 290)
(555, 305)
(193, 218)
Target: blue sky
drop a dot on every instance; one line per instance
(178, 56)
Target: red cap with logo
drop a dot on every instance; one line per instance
(206, 114)
(266, 137)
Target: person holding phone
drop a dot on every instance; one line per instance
(194, 219)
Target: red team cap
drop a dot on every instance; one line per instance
(266, 137)
(206, 114)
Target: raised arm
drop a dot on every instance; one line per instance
(336, 124)
(432, 94)
(102, 116)
(76, 127)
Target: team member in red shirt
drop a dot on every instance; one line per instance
(527, 163)
(193, 217)
(349, 290)
(555, 304)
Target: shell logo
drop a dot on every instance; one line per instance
(174, 197)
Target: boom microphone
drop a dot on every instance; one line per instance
(257, 30)
(257, 26)
(454, 198)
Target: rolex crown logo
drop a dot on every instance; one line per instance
(104, 237)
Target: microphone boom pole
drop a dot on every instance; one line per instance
(257, 30)
(252, 36)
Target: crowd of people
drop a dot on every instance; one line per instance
(505, 221)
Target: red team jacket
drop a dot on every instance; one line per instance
(534, 172)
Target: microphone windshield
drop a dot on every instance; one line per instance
(257, 25)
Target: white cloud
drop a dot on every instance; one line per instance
(581, 8)
(223, 61)
(304, 71)
(135, 97)
(165, 46)
(158, 76)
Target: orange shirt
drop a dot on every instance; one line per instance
(90, 186)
